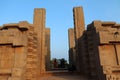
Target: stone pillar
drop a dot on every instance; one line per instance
(79, 24)
(79, 28)
(39, 29)
(71, 38)
(47, 44)
(72, 54)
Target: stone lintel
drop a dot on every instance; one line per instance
(5, 71)
(22, 25)
(116, 26)
(10, 25)
(108, 23)
(12, 37)
(108, 38)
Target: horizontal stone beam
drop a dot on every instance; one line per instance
(22, 25)
(108, 23)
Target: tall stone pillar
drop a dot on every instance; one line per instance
(79, 24)
(39, 29)
(79, 28)
(72, 54)
(47, 44)
(71, 38)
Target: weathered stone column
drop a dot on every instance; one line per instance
(72, 55)
(47, 44)
(79, 28)
(39, 29)
(71, 38)
(79, 25)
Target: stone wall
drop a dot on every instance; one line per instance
(104, 51)
(97, 48)
(23, 49)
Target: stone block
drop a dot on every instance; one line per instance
(108, 23)
(23, 25)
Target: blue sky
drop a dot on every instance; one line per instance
(59, 16)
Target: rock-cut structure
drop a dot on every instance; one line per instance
(23, 48)
(95, 51)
